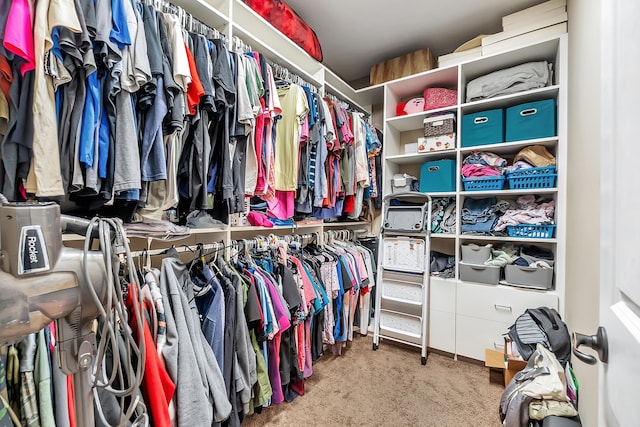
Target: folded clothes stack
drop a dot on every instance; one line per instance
(533, 156)
(481, 164)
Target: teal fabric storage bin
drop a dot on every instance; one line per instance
(483, 128)
(438, 176)
(531, 120)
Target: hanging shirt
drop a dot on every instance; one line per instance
(157, 387)
(360, 142)
(255, 89)
(211, 306)
(18, 33)
(181, 71)
(6, 76)
(44, 177)
(195, 90)
(136, 70)
(42, 376)
(294, 107)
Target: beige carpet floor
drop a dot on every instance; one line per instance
(389, 387)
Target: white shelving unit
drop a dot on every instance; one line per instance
(467, 317)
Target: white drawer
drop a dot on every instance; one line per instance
(442, 295)
(499, 303)
(442, 331)
(402, 286)
(474, 335)
(401, 323)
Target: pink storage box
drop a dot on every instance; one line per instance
(439, 97)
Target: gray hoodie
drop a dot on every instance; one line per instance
(200, 396)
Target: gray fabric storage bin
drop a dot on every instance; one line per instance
(529, 277)
(476, 254)
(479, 273)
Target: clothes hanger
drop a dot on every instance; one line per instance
(212, 262)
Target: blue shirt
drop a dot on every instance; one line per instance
(212, 309)
(152, 158)
(120, 32)
(103, 143)
(90, 120)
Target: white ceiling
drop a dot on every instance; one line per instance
(355, 34)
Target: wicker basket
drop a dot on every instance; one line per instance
(439, 125)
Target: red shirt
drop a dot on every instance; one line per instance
(157, 386)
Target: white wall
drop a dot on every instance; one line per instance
(583, 193)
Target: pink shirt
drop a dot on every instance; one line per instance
(18, 37)
(282, 206)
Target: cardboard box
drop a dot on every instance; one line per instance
(498, 361)
(402, 66)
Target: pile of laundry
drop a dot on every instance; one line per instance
(481, 216)
(443, 215)
(524, 256)
(442, 265)
(533, 156)
(481, 164)
(529, 209)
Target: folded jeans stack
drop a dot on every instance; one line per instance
(479, 215)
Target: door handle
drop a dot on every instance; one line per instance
(598, 342)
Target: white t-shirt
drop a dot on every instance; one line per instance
(181, 71)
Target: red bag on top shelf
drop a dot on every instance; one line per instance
(286, 20)
(439, 97)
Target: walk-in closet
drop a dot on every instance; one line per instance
(283, 212)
